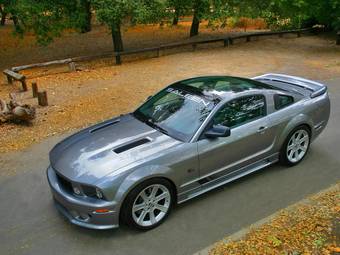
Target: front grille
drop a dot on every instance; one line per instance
(65, 184)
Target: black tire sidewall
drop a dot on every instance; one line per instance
(283, 153)
(126, 211)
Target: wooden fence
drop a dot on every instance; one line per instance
(71, 62)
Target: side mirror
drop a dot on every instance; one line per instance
(217, 131)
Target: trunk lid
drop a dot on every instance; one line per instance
(293, 84)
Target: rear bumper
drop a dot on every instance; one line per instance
(81, 210)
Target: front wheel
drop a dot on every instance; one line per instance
(296, 146)
(148, 205)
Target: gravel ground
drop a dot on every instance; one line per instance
(81, 98)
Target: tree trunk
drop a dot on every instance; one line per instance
(176, 18)
(195, 25)
(86, 23)
(15, 20)
(117, 38)
(3, 16)
(3, 19)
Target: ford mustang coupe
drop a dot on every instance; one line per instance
(189, 138)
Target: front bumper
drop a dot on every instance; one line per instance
(81, 210)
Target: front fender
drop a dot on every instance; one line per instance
(138, 176)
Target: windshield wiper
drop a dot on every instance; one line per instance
(150, 122)
(155, 126)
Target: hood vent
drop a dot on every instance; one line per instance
(104, 126)
(131, 145)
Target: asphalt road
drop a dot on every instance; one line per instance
(29, 224)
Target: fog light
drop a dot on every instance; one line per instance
(76, 190)
(99, 193)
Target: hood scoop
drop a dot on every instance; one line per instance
(105, 125)
(131, 145)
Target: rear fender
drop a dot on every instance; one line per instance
(299, 120)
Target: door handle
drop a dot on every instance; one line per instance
(262, 129)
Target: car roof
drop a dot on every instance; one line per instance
(225, 87)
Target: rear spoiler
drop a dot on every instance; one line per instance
(315, 88)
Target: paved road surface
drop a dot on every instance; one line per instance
(30, 224)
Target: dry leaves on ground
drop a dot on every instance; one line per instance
(312, 227)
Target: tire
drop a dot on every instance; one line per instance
(142, 211)
(295, 146)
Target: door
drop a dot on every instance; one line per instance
(251, 137)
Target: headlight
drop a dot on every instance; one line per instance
(99, 193)
(76, 190)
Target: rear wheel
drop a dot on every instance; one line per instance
(296, 146)
(148, 205)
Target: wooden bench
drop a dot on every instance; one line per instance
(15, 76)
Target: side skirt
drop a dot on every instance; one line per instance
(212, 183)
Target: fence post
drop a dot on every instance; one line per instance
(34, 89)
(338, 38)
(226, 42)
(298, 33)
(72, 66)
(248, 38)
(42, 98)
(231, 41)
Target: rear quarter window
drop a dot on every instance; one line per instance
(282, 101)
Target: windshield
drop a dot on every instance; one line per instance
(177, 111)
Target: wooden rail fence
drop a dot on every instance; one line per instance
(71, 62)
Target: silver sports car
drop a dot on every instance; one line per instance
(189, 138)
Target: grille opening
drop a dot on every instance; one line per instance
(104, 126)
(131, 145)
(65, 184)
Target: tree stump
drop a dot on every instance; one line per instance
(42, 98)
(14, 111)
(34, 89)
(24, 85)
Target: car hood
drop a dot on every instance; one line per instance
(93, 153)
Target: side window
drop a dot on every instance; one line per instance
(282, 101)
(240, 111)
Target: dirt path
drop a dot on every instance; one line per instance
(82, 98)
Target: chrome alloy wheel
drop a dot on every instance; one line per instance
(297, 145)
(151, 205)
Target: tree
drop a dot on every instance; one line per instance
(3, 14)
(49, 18)
(298, 12)
(326, 12)
(115, 13)
(7, 8)
(201, 9)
